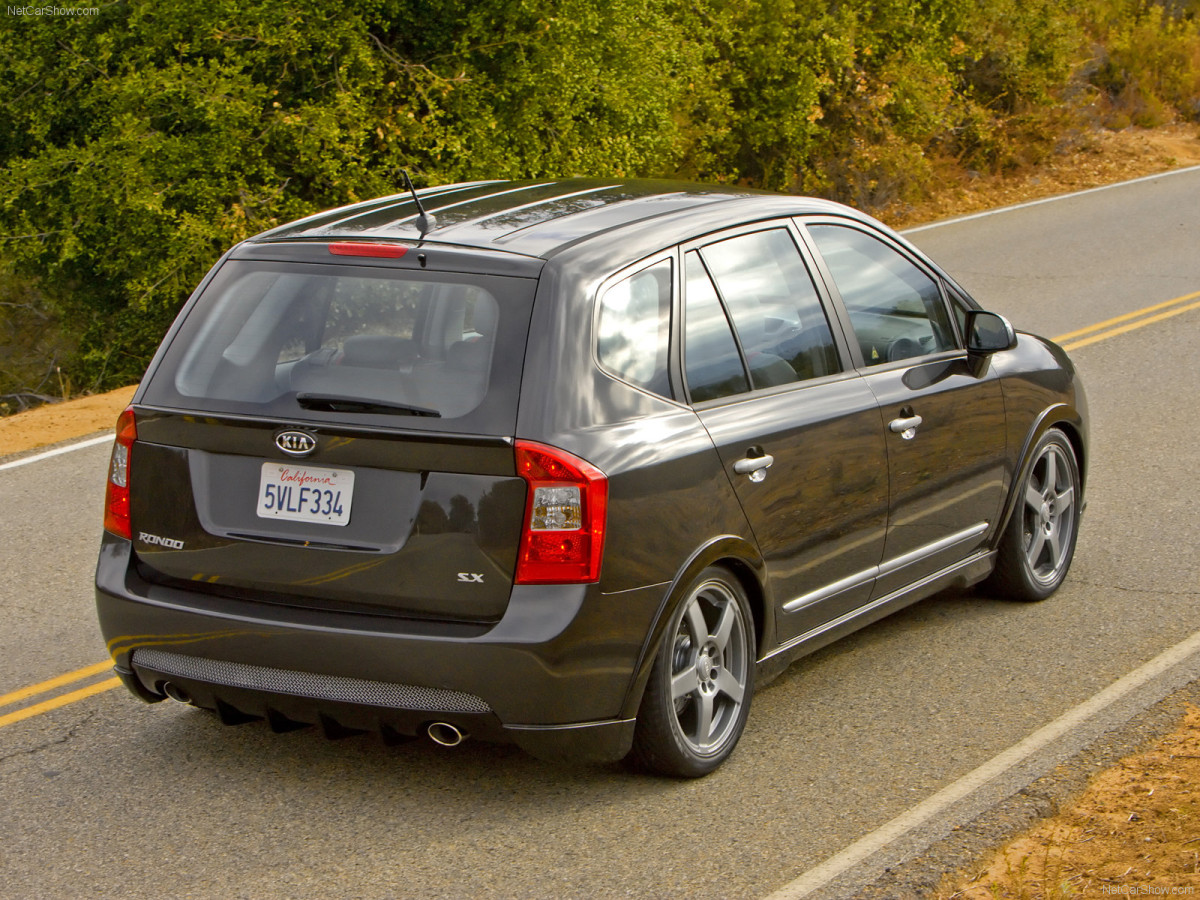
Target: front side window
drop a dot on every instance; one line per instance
(774, 306)
(896, 310)
(633, 330)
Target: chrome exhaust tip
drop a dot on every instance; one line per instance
(175, 692)
(445, 735)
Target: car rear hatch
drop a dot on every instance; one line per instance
(332, 427)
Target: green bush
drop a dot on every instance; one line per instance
(139, 144)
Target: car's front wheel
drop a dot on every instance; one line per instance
(1039, 541)
(698, 696)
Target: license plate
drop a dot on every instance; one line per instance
(305, 493)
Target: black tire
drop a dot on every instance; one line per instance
(1039, 540)
(698, 696)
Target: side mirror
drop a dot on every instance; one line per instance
(989, 332)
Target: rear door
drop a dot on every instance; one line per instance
(338, 437)
(799, 435)
(943, 411)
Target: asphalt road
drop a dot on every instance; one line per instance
(107, 797)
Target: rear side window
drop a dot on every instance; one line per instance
(350, 341)
(633, 339)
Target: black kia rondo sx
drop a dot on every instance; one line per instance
(569, 463)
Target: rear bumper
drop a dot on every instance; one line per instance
(555, 675)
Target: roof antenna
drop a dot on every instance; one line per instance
(425, 221)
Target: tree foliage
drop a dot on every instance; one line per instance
(138, 144)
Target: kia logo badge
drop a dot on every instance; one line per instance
(295, 443)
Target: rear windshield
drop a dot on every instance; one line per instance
(310, 342)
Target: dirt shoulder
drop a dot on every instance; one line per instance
(1131, 832)
(1089, 160)
(58, 422)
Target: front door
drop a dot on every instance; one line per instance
(943, 412)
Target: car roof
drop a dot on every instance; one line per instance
(536, 218)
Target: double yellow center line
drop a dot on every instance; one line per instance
(1140, 318)
(46, 687)
(1072, 340)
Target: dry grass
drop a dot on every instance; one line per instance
(1084, 160)
(1134, 832)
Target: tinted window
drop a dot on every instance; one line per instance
(265, 337)
(774, 305)
(895, 308)
(634, 329)
(711, 359)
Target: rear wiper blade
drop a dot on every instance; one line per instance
(334, 403)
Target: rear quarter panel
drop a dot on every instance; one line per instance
(668, 492)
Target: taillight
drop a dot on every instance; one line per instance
(565, 510)
(116, 499)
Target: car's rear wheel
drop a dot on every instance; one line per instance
(1039, 541)
(698, 697)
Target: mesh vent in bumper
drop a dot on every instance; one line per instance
(308, 684)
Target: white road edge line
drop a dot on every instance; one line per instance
(1054, 199)
(90, 442)
(906, 822)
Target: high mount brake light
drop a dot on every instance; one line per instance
(359, 248)
(116, 499)
(562, 540)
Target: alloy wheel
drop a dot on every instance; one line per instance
(1049, 514)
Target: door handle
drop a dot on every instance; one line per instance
(906, 427)
(754, 466)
